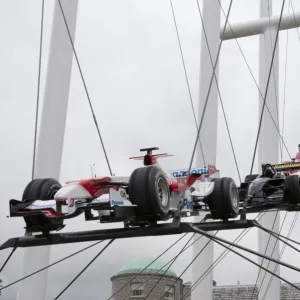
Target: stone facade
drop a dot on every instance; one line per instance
(119, 281)
(244, 292)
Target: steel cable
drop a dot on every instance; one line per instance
(281, 253)
(267, 87)
(263, 279)
(8, 258)
(206, 101)
(85, 88)
(248, 259)
(38, 91)
(153, 262)
(264, 254)
(255, 82)
(186, 78)
(220, 97)
(55, 263)
(221, 257)
(198, 254)
(139, 273)
(81, 272)
(157, 282)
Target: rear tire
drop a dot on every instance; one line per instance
(292, 189)
(41, 189)
(149, 190)
(223, 202)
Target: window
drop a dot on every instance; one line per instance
(137, 289)
(169, 292)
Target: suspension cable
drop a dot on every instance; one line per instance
(248, 259)
(38, 91)
(162, 276)
(220, 257)
(8, 258)
(187, 80)
(208, 235)
(280, 239)
(157, 272)
(277, 234)
(196, 240)
(295, 18)
(255, 82)
(198, 254)
(206, 102)
(85, 87)
(274, 75)
(257, 277)
(220, 97)
(139, 273)
(80, 273)
(267, 87)
(281, 253)
(284, 91)
(47, 267)
(277, 239)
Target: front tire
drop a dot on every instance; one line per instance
(224, 201)
(149, 190)
(41, 189)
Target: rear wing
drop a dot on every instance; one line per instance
(153, 155)
(291, 166)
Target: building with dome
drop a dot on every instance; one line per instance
(157, 280)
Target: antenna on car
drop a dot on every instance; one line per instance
(93, 170)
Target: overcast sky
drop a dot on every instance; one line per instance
(129, 53)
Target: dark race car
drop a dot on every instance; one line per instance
(276, 188)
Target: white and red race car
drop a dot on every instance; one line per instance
(148, 195)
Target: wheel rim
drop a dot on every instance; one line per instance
(234, 196)
(162, 192)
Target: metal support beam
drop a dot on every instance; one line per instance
(268, 148)
(51, 135)
(212, 20)
(255, 27)
(121, 233)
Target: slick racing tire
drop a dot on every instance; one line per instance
(223, 202)
(41, 189)
(149, 190)
(292, 189)
(251, 177)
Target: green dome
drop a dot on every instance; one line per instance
(144, 265)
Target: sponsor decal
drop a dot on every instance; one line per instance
(117, 203)
(286, 166)
(184, 173)
(187, 206)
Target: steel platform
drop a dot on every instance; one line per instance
(121, 233)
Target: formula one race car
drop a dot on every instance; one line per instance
(149, 195)
(276, 188)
